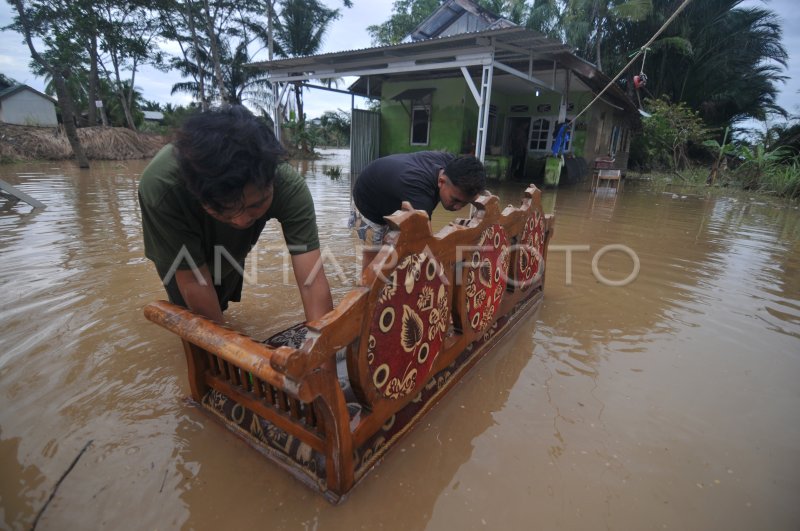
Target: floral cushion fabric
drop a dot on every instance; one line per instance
(530, 252)
(486, 277)
(410, 319)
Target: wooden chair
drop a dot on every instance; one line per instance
(603, 169)
(609, 176)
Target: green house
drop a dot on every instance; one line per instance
(469, 81)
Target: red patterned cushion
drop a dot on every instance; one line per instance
(408, 325)
(530, 251)
(487, 276)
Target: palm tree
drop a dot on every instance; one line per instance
(195, 65)
(587, 23)
(406, 15)
(122, 114)
(299, 32)
(546, 17)
(721, 59)
(7, 82)
(241, 83)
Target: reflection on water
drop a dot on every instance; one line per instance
(669, 402)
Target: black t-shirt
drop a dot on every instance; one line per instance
(386, 182)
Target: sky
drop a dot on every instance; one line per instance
(349, 33)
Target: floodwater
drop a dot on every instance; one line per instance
(670, 402)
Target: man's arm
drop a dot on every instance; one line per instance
(201, 299)
(312, 283)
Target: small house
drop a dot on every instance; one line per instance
(153, 117)
(23, 105)
(468, 81)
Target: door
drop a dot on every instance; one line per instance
(519, 132)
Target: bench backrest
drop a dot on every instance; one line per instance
(430, 296)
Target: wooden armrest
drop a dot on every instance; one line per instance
(330, 333)
(232, 346)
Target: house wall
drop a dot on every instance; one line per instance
(602, 131)
(608, 135)
(28, 108)
(454, 117)
(448, 114)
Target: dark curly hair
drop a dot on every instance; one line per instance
(221, 151)
(467, 174)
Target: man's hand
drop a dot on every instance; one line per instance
(313, 284)
(199, 294)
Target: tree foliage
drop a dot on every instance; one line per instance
(723, 60)
(669, 131)
(7, 82)
(588, 23)
(719, 58)
(334, 128)
(406, 15)
(51, 21)
(299, 31)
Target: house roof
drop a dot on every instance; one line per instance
(445, 20)
(20, 87)
(515, 40)
(153, 115)
(414, 94)
(516, 47)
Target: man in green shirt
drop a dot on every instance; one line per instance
(205, 200)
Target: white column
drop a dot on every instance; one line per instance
(483, 112)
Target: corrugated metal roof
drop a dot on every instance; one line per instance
(153, 115)
(516, 47)
(340, 63)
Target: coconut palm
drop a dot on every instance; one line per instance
(587, 23)
(241, 83)
(723, 60)
(299, 32)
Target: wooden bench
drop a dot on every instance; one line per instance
(426, 310)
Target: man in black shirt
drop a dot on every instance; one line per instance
(424, 179)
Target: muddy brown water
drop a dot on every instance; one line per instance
(670, 402)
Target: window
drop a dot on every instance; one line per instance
(626, 140)
(614, 143)
(540, 134)
(600, 132)
(420, 125)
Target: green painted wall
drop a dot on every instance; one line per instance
(447, 117)
(454, 118)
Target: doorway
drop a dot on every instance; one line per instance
(519, 134)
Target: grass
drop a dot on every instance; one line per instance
(781, 180)
(334, 172)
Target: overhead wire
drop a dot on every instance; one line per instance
(643, 49)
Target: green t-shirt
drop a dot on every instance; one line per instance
(175, 225)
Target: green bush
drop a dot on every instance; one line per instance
(668, 132)
(782, 179)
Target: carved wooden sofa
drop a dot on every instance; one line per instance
(427, 310)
